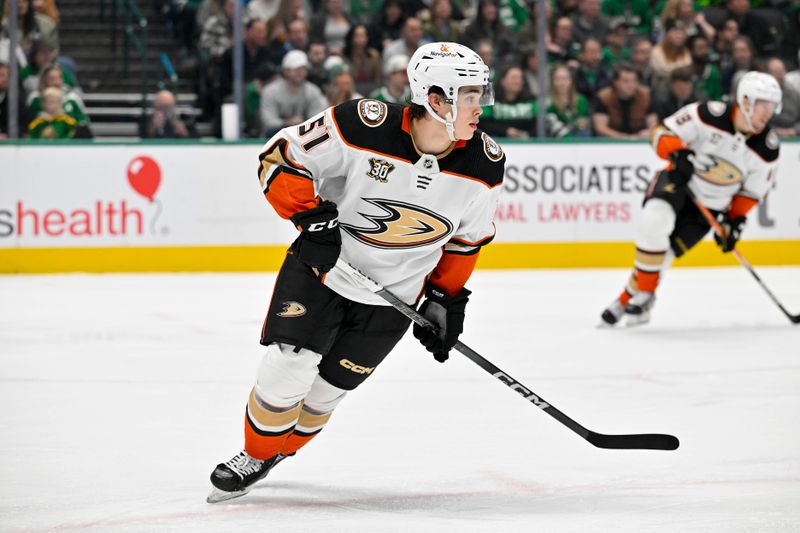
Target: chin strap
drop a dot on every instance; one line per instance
(747, 116)
(448, 121)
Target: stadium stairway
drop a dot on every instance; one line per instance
(113, 97)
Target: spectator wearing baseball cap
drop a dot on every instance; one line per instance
(290, 99)
(396, 89)
(294, 59)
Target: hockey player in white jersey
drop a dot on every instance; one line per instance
(726, 155)
(405, 194)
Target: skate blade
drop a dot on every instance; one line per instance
(637, 320)
(216, 495)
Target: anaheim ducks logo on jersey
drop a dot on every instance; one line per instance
(400, 225)
(372, 112)
(717, 170)
(491, 148)
(292, 309)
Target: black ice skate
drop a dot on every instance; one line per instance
(638, 308)
(612, 313)
(236, 477)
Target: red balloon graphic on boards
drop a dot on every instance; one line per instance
(144, 175)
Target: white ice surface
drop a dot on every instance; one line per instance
(120, 393)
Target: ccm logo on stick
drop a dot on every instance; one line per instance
(528, 395)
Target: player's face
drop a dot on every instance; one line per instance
(469, 111)
(762, 114)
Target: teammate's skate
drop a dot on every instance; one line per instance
(638, 309)
(236, 477)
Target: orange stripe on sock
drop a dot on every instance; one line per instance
(624, 297)
(262, 446)
(295, 442)
(647, 281)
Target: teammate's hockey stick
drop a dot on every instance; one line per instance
(709, 216)
(648, 441)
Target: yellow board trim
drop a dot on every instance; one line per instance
(269, 258)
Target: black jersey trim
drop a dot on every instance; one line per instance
(384, 139)
(722, 121)
(766, 145)
(390, 140)
(482, 242)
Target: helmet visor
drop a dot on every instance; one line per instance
(768, 106)
(475, 95)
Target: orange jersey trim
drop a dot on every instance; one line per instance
(668, 142)
(289, 194)
(741, 205)
(453, 271)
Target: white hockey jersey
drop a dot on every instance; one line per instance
(726, 163)
(399, 210)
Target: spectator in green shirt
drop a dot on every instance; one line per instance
(591, 75)
(513, 114)
(706, 78)
(71, 103)
(636, 13)
(616, 48)
(51, 122)
(567, 110)
(396, 89)
(41, 55)
(562, 47)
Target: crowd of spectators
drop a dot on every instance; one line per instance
(614, 68)
(50, 105)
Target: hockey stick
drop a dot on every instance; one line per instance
(709, 216)
(648, 441)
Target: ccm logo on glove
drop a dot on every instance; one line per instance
(322, 226)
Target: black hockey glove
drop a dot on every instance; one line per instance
(733, 230)
(319, 242)
(447, 314)
(682, 166)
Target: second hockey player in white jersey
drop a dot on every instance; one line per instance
(726, 155)
(405, 194)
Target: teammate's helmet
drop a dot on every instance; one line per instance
(759, 86)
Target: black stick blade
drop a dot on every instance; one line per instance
(647, 441)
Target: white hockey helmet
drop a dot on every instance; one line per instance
(758, 86)
(448, 66)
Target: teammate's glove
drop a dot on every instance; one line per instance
(319, 242)
(733, 230)
(447, 314)
(682, 165)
